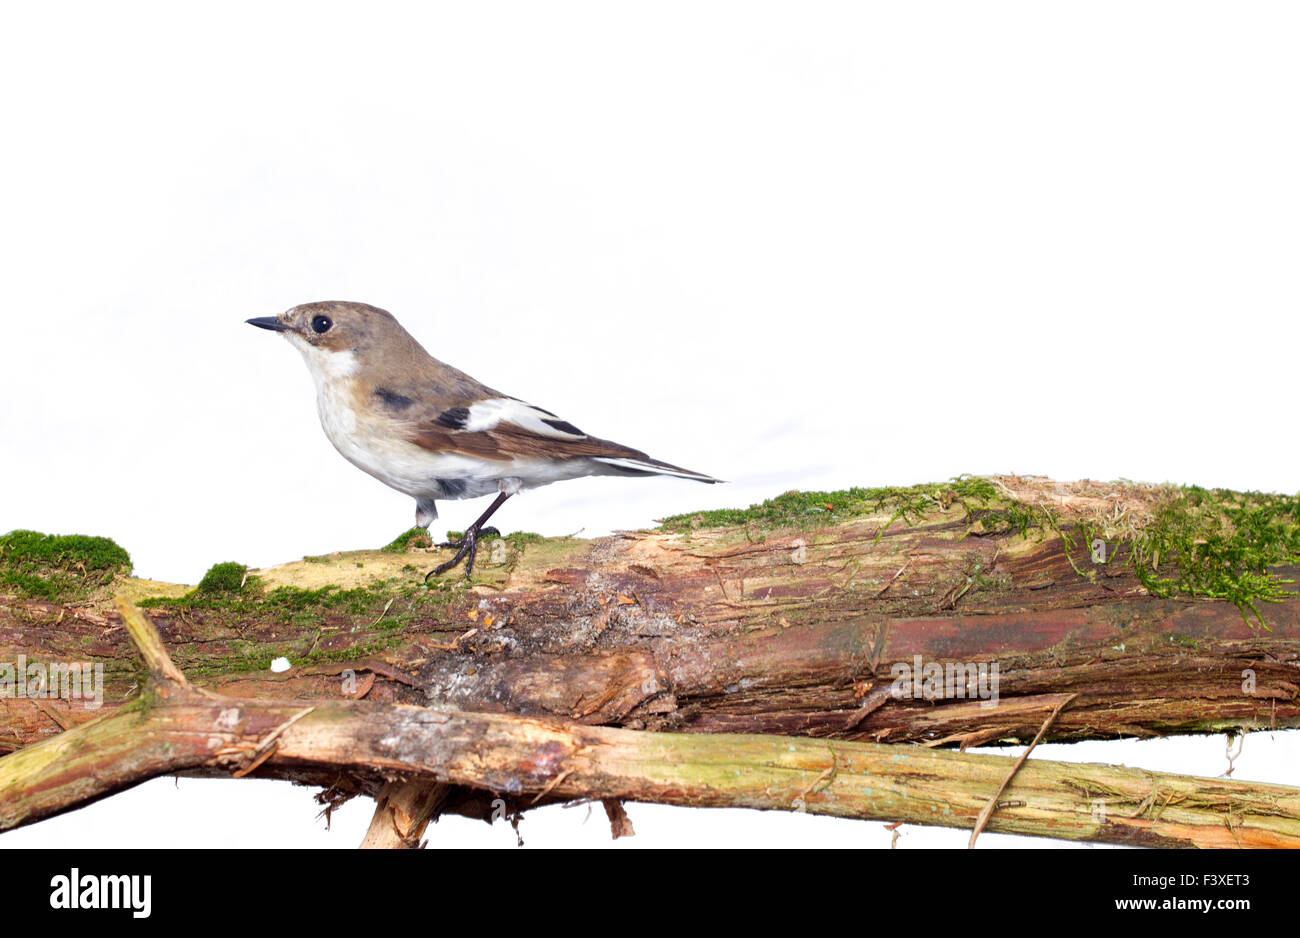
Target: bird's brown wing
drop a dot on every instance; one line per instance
(507, 442)
(505, 429)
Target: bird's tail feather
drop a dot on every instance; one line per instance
(651, 467)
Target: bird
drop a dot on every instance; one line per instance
(431, 431)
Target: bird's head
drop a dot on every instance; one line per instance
(335, 338)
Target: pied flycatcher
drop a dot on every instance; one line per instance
(431, 431)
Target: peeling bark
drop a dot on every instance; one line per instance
(719, 645)
(734, 630)
(531, 760)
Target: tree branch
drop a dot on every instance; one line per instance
(792, 627)
(857, 617)
(532, 759)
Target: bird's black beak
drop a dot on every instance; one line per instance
(268, 322)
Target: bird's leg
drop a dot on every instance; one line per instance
(426, 512)
(467, 546)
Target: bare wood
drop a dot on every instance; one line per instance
(403, 810)
(620, 825)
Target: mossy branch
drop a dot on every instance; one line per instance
(788, 619)
(530, 761)
(791, 619)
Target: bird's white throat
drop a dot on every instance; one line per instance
(325, 365)
(332, 372)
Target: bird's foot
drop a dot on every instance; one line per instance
(466, 548)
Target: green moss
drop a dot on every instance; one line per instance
(411, 537)
(801, 509)
(370, 619)
(1211, 543)
(1220, 544)
(383, 606)
(517, 538)
(259, 657)
(293, 599)
(1206, 543)
(224, 578)
(58, 567)
(1013, 517)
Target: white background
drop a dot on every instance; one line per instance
(792, 245)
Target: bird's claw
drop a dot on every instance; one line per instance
(466, 548)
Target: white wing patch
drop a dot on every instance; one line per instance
(485, 415)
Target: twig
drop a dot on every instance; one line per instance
(874, 701)
(266, 747)
(149, 643)
(388, 606)
(989, 808)
(65, 724)
(1241, 744)
(551, 784)
(894, 577)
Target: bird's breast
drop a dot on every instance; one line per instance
(377, 444)
(337, 404)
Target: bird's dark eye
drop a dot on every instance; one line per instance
(321, 324)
